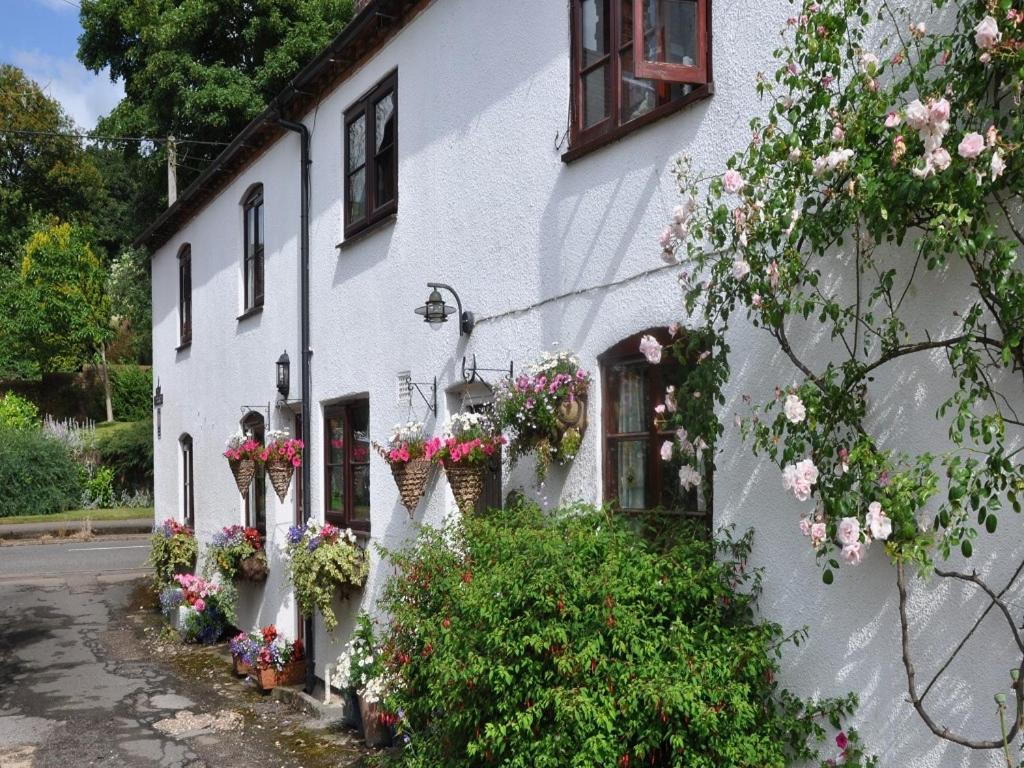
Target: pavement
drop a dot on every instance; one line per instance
(90, 676)
(61, 528)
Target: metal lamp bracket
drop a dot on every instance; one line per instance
(422, 388)
(471, 373)
(264, 408)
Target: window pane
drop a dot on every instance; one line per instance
(638, 96)
(336, 440)
(384, 124)
(361, 492)
(357, 195)
(593, 31)
(250, 282)
(595, 96)
(336, 500)
(360, 415)
(357, 143)
(670, 31)
(384, 160)
(259, 223)
(629, 463)
(627, 393)
(626, 22)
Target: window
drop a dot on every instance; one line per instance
(636, 479)
(188, 496)
(185, 295)
(347, 483)
(371, 156)
(634, 61)
(256, 501)
(252, 270)
(299, 512)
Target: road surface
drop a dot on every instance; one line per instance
(31, 562)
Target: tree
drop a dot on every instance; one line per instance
(130, 296)
(201, 69)
(889, 161)
(65, 307)
(43, 170)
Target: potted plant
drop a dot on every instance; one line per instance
(545, 409)
(199, 614)
(469, 441)
(244, 646)
(360, 672)
(237, 553)
(275, 660)
(281, 457)
(243, 454)
(324, 561)
(405, 453)
(173, 550)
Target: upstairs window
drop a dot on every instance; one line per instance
(371, 156)
(185, 295)
(347, 496)
(634, 61)
(252, 270)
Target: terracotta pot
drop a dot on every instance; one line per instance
(375, 733)
(280, 472)
(467, 482)
(254, 568)
(267, 678)
(239, 666)
(411, 478)
(244, 471)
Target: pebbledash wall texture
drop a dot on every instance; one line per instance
(486, 204)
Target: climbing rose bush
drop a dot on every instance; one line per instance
(889, 158)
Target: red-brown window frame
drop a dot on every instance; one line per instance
(344, 518)
(363, 107)
(188, 481)
(185, 295)
(253, 261)
(674, 73)
(583, 140)
(628, 351)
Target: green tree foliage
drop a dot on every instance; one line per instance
(37, 473)
(127, 448)
(41, 174)
(18, 413)
(202, 68)
(131, 301)
(132, 391)
(530, 639)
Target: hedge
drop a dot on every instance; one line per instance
(127, 448)
(37, 473)
(131, 392)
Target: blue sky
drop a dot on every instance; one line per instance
(41, 37)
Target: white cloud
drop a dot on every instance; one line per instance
(59, 5)
(85, 97)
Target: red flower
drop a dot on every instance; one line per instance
(269, 634)
(841, 741)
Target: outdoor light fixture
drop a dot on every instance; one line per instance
(284, 375)
(436, 312)
(158, 404)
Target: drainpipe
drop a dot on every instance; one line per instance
(307, 354)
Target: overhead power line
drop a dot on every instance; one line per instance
(91, 137)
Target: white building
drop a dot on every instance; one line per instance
(539, 200)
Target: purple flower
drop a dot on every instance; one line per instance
(295, 534)
(313, 544)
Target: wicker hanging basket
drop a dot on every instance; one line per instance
(411, 478)
(244, 471)
(280, 471)
(254, 568)
(467, 482)
(572, 414)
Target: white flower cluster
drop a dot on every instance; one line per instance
(550, 360)
(465, 422)
(236, 440)
(410, 432)
(275, 435)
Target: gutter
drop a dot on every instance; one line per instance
(307, 356)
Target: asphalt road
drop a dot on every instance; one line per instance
(26, 562)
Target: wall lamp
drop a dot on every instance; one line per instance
(284, 375)
(435, 311)
(158, 404)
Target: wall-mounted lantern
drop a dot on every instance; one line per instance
(284, 375)
(158, 404)
(435, 311)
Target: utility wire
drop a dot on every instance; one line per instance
(90, 137)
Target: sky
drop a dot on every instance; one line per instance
(41, 37)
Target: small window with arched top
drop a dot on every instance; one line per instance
(252, 265)
(188, 493)
(256, 501)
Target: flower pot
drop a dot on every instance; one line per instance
(179, 616)
(293, 673)
(280, 471)
(254, 568)
(244, 471)
(411, 478)
(240, 667)
(467, 483)
(375, 733)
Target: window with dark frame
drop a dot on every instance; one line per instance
(185, 295)
(634, 61)
(252, 269)
(188, 494)
(299, 512)
(347, 465)
(636, 479)
(371, 156)
(256, 500)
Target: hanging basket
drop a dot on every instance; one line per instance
(254, 568)
(280, 471)
(244, 471)
(572, 414)
(467, 482)
(411, 478)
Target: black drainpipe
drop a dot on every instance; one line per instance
(307, 354)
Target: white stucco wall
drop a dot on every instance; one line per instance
(487, 205)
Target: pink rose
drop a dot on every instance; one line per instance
(940, 159)
(938, 111)
(917, 115)
(849, 531)
(838, 134)
(971, 146)
(755, 301)
(650, 348)
(818, 532)
(733, 181)
(893, 119)
(878, 522)
(854, 553)
(805, 526)
(666, 451)
(199, 605)
(740, 269)
(987, 33)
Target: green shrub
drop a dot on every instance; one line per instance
(18, 413)
(127, 448)
(173, 549)
(98, 486)
(37, 474)
(519, 639)
(131, 392)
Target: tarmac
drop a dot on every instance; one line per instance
(63, 528)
